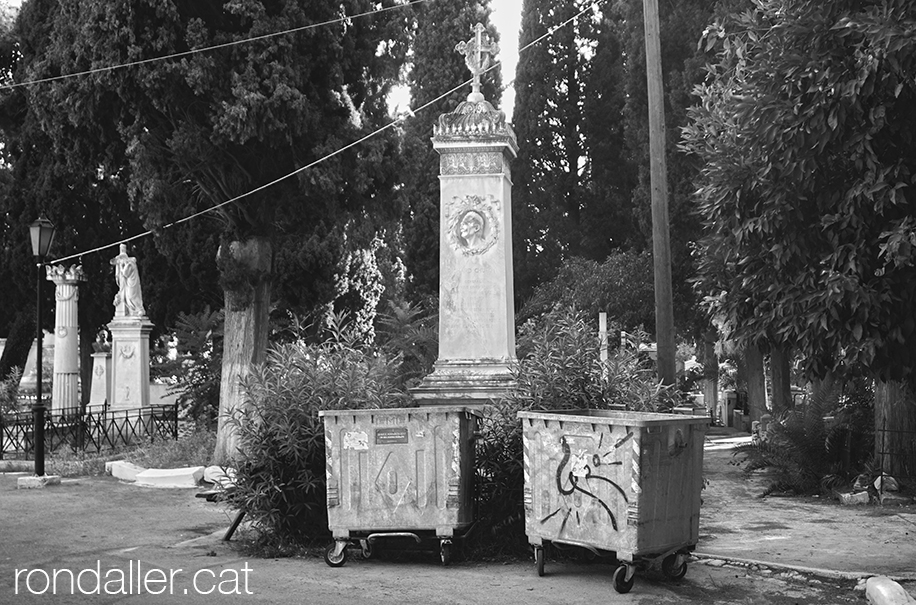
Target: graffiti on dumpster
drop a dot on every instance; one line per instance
(577, 472)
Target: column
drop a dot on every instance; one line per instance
(65, 388)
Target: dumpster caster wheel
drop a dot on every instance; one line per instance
(539, 559)
(674, 566)
(335, 555)
(445, 553)
(621, 584)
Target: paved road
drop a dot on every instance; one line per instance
(105, 528)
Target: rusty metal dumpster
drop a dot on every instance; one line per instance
(402, 472)
(625, 484)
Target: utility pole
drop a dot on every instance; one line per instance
(661, 247)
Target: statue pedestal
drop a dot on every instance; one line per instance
(476, 291)
(100, 393)
(129, 362)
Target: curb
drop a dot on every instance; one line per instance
(815, 571)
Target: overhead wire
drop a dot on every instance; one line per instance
(203, 49)
(409, 112)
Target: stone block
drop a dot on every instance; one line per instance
(881, 590)
(171, 477)
(123, 470)
(854, 499)
(887, 499)
(36, 482)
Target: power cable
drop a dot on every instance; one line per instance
(410, 113)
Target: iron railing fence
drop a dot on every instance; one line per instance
(89, 430)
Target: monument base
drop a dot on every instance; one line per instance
(464, 382)
(130, 362)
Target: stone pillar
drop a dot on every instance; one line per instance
(65, 387)
(129, 362)
(476, 296)
(100, 394)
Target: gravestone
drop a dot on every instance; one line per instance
(476, 296)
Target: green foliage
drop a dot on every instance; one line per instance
(804, 129)
(819, 447)
(411, 336)
(9, 392)
(195, 373)
(621, 285)
(281, 462)
(559, 368)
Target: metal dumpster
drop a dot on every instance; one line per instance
(402, 472)
(614, 482)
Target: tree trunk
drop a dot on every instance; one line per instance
(710, 372)
(780, 380)
(756, 382)
(245, 268)
(895, 430)
(18, 343)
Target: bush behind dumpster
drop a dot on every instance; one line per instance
(281, 466)
(559, 368)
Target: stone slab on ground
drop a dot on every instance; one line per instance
(171, 477)
(881, 590)
(123, 470)
(36, 482)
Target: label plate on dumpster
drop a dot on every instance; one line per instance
(391, 435)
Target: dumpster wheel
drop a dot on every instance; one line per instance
(674, 566)
(335, 555)
(539, 557)
(445, 552)
(621, 583)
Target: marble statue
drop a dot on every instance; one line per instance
(128, 302)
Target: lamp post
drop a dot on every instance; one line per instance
(42, 232)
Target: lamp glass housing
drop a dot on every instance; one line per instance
(42, 232)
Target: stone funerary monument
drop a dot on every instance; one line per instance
(476, 297)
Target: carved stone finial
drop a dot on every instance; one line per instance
(478, 52)
(73, 273)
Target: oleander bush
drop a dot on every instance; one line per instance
(559, 368)
(280, 471)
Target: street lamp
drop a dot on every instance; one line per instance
(42, 232)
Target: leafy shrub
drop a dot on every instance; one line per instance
(818, 447)
(411, 334)
(195, 374)
(9, 392)
(281, 468)
(559, 368)
(622, 286)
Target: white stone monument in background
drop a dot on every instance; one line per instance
(100, 393)
(130, 330)
(476, 296)
(65, 387)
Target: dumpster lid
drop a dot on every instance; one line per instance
(629, 418)
(416, 411)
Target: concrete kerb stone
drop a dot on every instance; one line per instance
(832, 574)
(36, 482)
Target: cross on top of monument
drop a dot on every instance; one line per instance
(477, 52)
